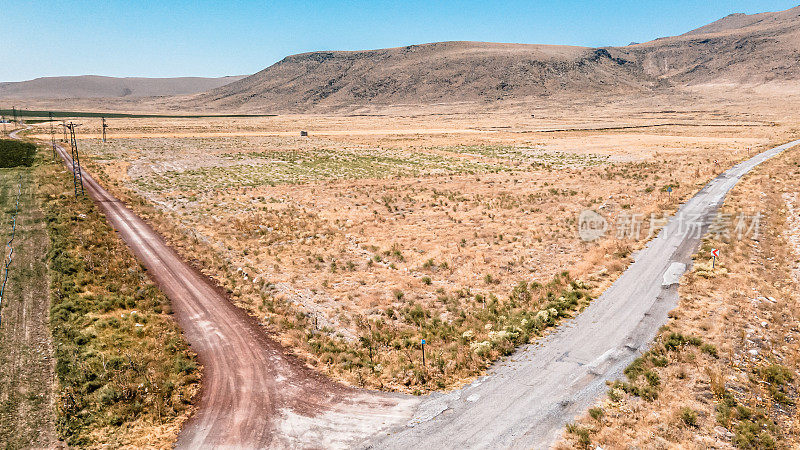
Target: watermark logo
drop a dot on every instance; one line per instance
(591, 225)
(626, 225)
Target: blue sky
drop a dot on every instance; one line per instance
(215, 38)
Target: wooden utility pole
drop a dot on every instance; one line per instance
(104, 129)
(53, 138)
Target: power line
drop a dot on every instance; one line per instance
(77, 176)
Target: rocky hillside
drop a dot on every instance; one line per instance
(739, 49)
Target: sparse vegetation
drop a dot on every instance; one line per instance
(255, 213)
(123, 371)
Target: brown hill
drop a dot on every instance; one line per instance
(92, 86)
(445, 72)
(749, 50)
(739, 49)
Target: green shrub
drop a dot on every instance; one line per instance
(710, 350)
(584, 439)
(776, 374)
(16, 153)
(688, 416)
(596, 413)
(676, 341)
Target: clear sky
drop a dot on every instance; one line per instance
(215, 38)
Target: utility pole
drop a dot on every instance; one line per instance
(104, 129)
(53, 138)
(77, 177)
(14, 109)
(64, 124)
(3, 119)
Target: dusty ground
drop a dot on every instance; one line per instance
(736, 385)
(27, 416)
(370, 217)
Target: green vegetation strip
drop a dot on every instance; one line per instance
(388, 350)
(10, 246)
(16, 153)
(110, 115)
(121, 362)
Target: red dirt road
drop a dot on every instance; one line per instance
(253, 395)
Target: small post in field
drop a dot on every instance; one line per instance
(53, 138)
(714, 254)
(423, 353)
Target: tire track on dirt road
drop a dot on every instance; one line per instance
(253, 395)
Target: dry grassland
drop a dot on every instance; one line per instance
(724, 371)
(355, 243)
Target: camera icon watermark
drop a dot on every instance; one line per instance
(591, 225)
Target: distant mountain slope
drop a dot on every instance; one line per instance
(740, 22)
(739, 49)
(430, 73)
(92, 86)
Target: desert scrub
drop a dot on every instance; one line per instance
(123, 370)
(643, 379)
(688, 416)
(582, 434)
(387, 353)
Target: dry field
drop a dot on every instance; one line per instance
(375, 232)
(724, 371)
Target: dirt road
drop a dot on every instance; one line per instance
(525, 401)
(253, 395)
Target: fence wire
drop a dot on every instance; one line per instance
(10, 248)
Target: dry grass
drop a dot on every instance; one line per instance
(355, 243)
